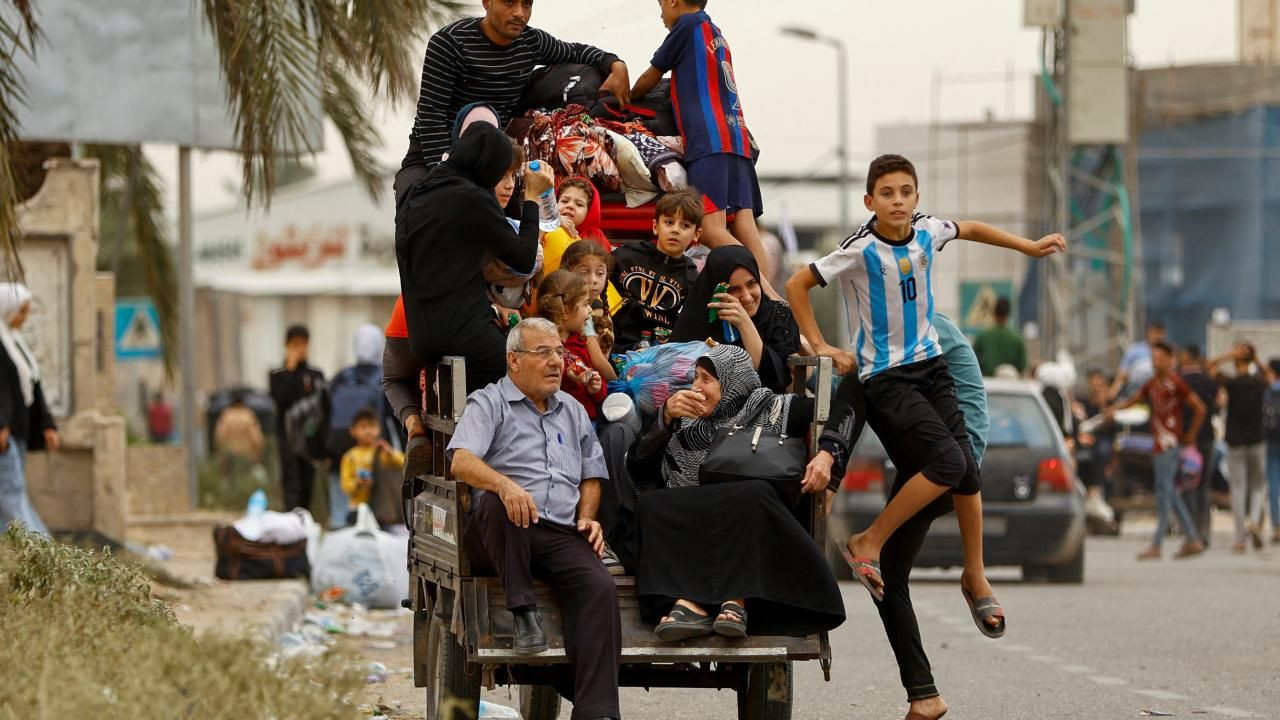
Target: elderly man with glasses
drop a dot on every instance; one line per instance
(531, 456)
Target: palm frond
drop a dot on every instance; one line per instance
(129, 179)
(344, 106)
(279, 58)
(15, 38)
(269, 61)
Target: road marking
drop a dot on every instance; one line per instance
(1231, 712)
(1108, 680)
(1162, 694)
(1077, 669)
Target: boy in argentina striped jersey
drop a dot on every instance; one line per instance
(884, 272)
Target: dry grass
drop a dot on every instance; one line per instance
(84, 638)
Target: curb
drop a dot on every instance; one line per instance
(289, 603)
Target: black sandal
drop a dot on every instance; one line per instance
(732, 628)
(983, 609)
(683, 624)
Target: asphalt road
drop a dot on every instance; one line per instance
(1195, 638)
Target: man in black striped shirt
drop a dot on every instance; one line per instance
(488, 59)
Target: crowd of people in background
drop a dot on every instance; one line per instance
(1214, 428)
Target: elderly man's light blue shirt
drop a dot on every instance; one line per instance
(971, 391)
(548, 454)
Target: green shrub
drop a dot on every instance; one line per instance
(84, 638)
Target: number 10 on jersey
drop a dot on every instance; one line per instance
(908, 288)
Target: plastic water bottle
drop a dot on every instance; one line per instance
(548, 213)
(257, 504)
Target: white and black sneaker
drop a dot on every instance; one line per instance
(611, 562)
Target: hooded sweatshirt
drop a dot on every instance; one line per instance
(653, 287)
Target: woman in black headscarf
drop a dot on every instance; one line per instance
(766, 329)
(712, 555)
(447, 223)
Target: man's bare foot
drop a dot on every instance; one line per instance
(927, 709)
(979, 587)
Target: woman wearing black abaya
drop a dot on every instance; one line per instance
(447, 222)
(765, 327)
(732, 558)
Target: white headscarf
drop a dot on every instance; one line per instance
(369, 344)
(12, 297)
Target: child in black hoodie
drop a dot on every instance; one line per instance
(654, 278)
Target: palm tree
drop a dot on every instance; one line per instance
(15, 38)
(277, 59)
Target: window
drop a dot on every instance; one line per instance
(1019, 421)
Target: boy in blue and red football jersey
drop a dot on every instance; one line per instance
(717, 148)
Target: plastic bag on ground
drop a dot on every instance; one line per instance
(367, 563)
(272, 527)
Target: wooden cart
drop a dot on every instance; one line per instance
(462, 631)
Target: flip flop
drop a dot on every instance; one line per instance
(683, 625)
(983, 608)
(732, 628)
(864, 569)
(918, 716)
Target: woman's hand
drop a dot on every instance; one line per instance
(728, 308)
(817, 476)
(52, 440)
(685, 404)
(536, 183)
(502, 316)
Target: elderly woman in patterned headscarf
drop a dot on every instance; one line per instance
(737, 547)
(25, 420)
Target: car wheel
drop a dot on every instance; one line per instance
(1072, 572)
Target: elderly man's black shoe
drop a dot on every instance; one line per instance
(529, 639)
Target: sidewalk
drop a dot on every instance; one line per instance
(265, 608)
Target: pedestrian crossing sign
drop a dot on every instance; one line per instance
(137, 330)
(978, 303)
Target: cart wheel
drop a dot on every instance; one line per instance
(539, 702)
(453, 689)
(769, 692)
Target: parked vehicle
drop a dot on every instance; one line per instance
(1033, 502)
(462, 632)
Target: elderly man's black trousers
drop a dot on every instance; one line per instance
(588, 600)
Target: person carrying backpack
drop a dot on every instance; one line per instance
(352, 391)
(290, 385)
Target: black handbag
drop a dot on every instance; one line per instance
(749, 452)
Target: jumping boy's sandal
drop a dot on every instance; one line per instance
(865, 570)
(683, 625)
(732, 628)
(983, 608)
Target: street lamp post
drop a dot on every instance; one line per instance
(842, 112)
